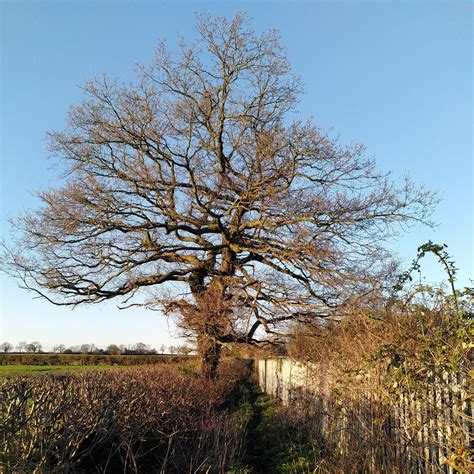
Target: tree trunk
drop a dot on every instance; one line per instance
(210, 353)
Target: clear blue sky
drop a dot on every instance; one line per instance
(395, 75)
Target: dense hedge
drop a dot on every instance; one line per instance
(90, 359)
(135, 419)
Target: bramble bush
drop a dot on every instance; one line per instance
(390, 390)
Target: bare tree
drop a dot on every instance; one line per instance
(59, 348)
(193, 192)
(162, 349)
(6, 347)
(34, 347)
(85, 348)
(123, 349)
(140, 348)
(21, 347)
(113, 349)
(184, 350)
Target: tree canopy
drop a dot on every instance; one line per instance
(198, 189)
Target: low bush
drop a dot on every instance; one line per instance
(137, 419)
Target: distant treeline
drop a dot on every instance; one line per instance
(140, 348)
(90, 359)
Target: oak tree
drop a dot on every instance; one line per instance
(199, 191)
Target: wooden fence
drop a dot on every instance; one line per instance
(427, 431)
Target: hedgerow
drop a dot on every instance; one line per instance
(126, 420)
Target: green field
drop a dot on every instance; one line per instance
(9, 370)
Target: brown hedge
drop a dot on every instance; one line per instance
(140, 419)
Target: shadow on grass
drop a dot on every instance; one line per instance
(273, 444)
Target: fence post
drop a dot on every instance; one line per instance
(265, 377)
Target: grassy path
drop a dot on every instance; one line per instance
(274, 445)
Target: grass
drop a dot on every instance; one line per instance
(9, 370)
(274, 443)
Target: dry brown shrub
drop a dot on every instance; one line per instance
(126, 420)
(389, 389)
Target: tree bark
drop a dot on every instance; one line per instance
(209, 352)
